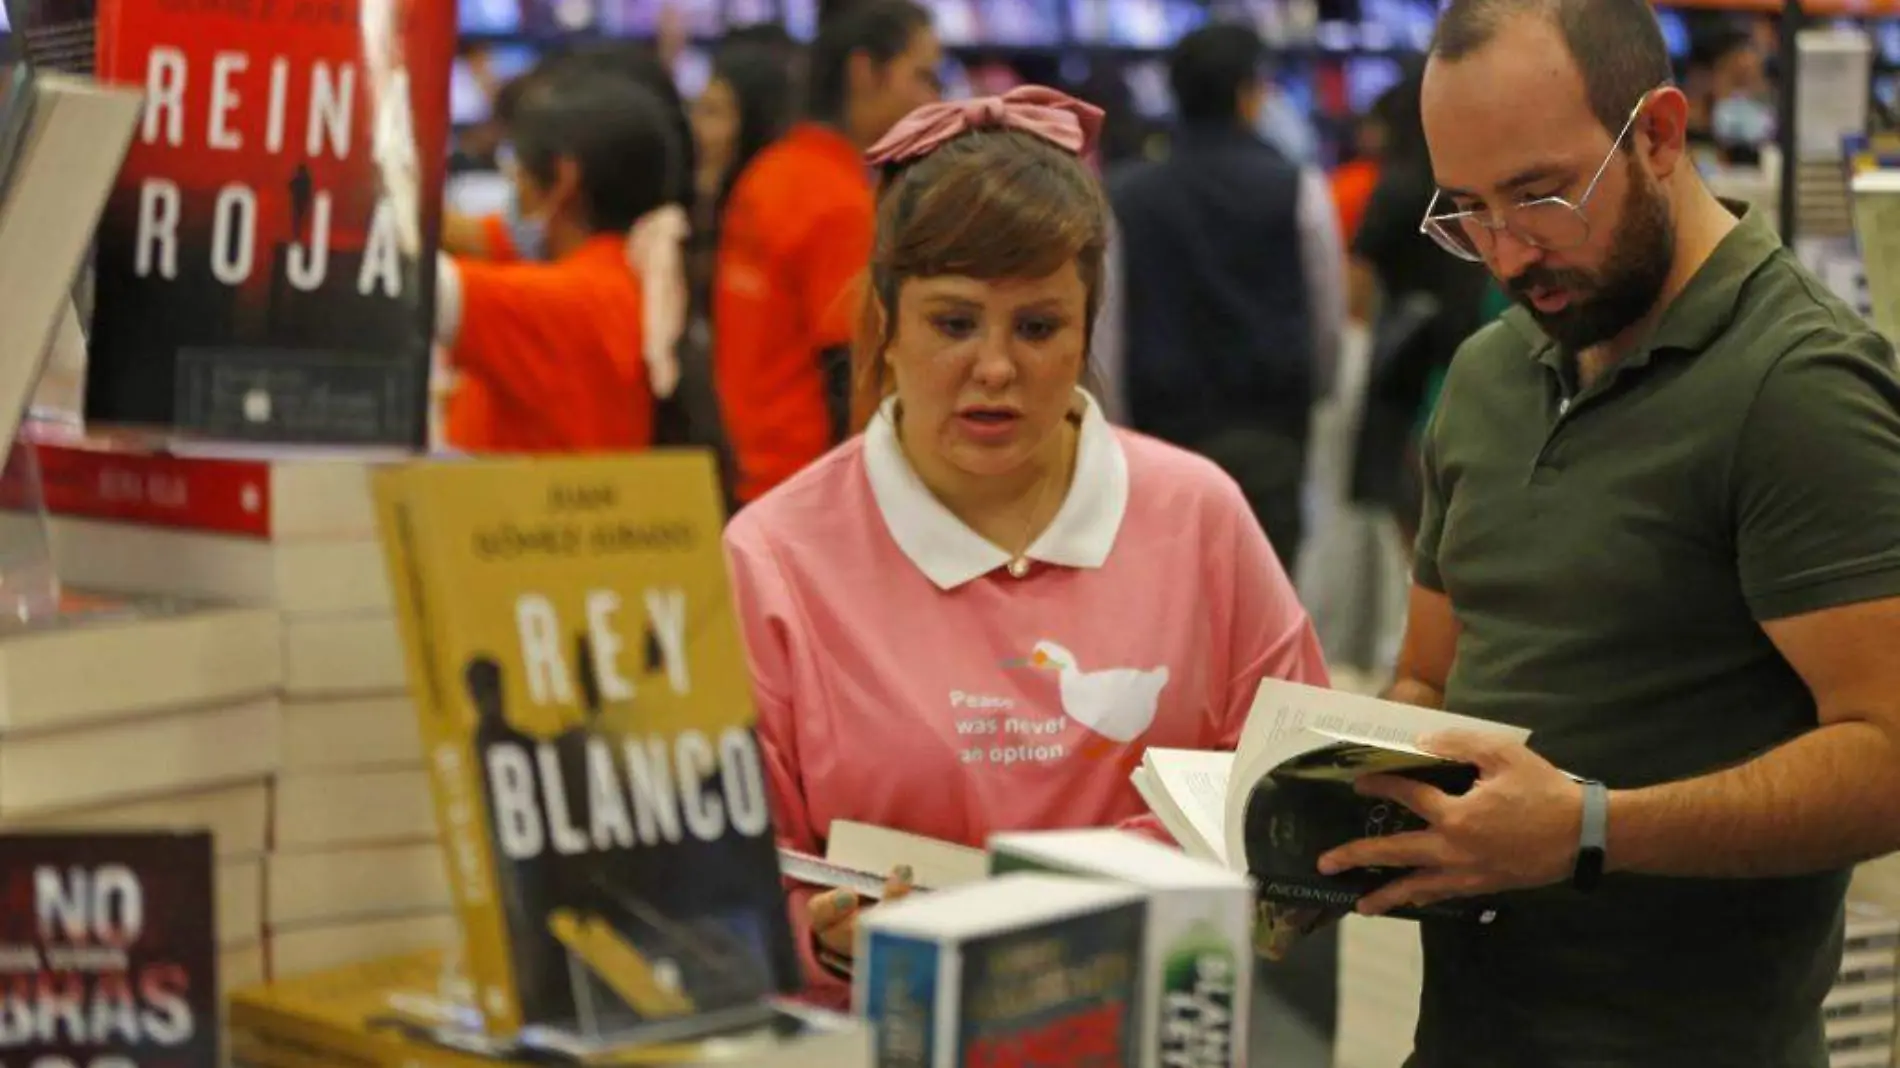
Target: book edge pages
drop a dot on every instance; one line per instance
(867, 847)
(1153, 786)
(817, 871)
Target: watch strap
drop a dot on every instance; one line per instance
(1594, 837)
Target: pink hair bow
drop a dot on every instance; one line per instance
(1054, 116)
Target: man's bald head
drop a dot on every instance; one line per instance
(1616, 45)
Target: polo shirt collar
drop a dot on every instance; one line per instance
(1700, 312)
(951, 554)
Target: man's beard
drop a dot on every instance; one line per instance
(1606, 301)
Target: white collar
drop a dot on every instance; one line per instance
(952, 554)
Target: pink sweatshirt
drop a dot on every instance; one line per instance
(905, 678)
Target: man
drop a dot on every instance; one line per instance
(1660, 531)
(548, 355)
(797, 233)
(1234, 283)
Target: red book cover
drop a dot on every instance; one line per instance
(265, 267)
(108, 952)
(187, 493)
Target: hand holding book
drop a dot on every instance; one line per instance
(1516, 828)
(1288, 796)
(834, 921)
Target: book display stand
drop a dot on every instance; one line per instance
(29, 584)
(61, 141)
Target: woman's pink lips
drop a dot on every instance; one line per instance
(988, 424)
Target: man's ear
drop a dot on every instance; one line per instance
(1662, 131)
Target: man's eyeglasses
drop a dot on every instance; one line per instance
(1553, 224)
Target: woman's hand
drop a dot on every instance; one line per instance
(834, 919)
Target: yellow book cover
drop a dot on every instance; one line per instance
(587, 716)
(408, 1011)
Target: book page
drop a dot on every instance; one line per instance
(1281, 710)
(1196, 782)
(934, 864)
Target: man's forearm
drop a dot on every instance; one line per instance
(1826, 800)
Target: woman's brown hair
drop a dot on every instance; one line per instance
(990, 204)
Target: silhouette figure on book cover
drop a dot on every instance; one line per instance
(527, 888)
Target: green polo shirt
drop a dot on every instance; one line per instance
(1611, 555)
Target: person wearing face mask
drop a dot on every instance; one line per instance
(976, 614)
(1739, 117)
(550, 355)
(1661, 497)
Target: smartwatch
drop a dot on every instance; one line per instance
(1596, 832)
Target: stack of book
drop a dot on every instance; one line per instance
(614, 902)
(1861, 1009)
(355, 866)
(138, 714)
(414, 1010)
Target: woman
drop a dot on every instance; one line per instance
(976, 615)
(746, 105)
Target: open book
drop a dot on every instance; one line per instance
(1285, 796)
(858, 856)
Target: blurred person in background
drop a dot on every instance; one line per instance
(510, 235)
(1420, 304)
(1732, 108)
(1354, 179)
(747, 104)
(795, 236)
(547, 353)
(1234, 297)
(1280, 122)
(679, 380)
(1126, 135)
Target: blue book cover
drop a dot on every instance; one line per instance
(1057, 994)
(901, 1000)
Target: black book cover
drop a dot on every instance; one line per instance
(1307, 806)
(108, 950)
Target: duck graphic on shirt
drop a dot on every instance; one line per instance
(1118, 704)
